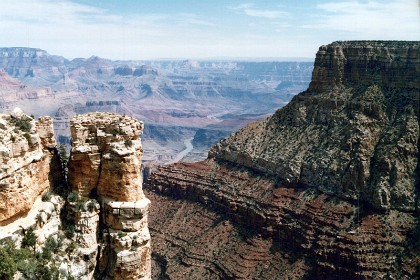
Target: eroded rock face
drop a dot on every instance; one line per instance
(105, 165)
(27, 149)
(278, 232)
(332, 176)
(391, 64)
(354, 140)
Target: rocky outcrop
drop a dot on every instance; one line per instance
(391, 64)
(332, 176)
(104, 166)
(27, 149)
(357, 141)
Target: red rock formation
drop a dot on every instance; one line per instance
(330, 177)
(336, 236)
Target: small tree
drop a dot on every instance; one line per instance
(29, 239)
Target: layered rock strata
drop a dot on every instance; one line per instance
(357, 140)
(27, 149)
(104, 166)
(336, 237)
(333, 176)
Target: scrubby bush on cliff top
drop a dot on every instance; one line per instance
(23, 123)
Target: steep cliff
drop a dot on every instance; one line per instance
(100, 230)
(27, 149)
(354, 133)
(104, 166)
(332, 177)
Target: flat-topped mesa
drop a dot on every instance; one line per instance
(392, 64)
(106, 156)
(27, 148)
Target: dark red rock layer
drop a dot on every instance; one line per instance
(329, 237)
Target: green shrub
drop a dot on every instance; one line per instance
(27, 267)
(29, 239)
(115, 132)
(23, 124)
(8, 267)
(128, 143)
(53, 244)
(38, 218)
(80, 206)
(121, 234)
(13, 138)
(29, 139)
(70, 248)
(46, 196)
(44, 272)
(73, 196)
(69, 231)
(63, 155)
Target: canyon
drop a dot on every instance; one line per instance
(324, 188)
(176, 99)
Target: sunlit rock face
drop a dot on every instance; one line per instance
(27, 148)
(331, 179)
(353, 133)
(104, 165)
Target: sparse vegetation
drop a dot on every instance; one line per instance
(29, 239)
(24, 123)
(8, 266)
(73, 196)
(115, 132)
(70, 248)
(38, 218)
(64, 159)
(69, 230)
(80, 205)
(46, 196)
(29, 139)
(128, 143)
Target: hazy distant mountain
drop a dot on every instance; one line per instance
(162, 93)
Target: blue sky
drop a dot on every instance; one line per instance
(139, 29)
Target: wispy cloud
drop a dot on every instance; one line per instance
(264, 13)
(250, 10)
(398, 19)
(65, 28)
(189, 19)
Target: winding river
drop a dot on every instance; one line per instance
(188, 148)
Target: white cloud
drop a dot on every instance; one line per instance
(249, 10)
(69, 29)
(264, 13)
(397, 20)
